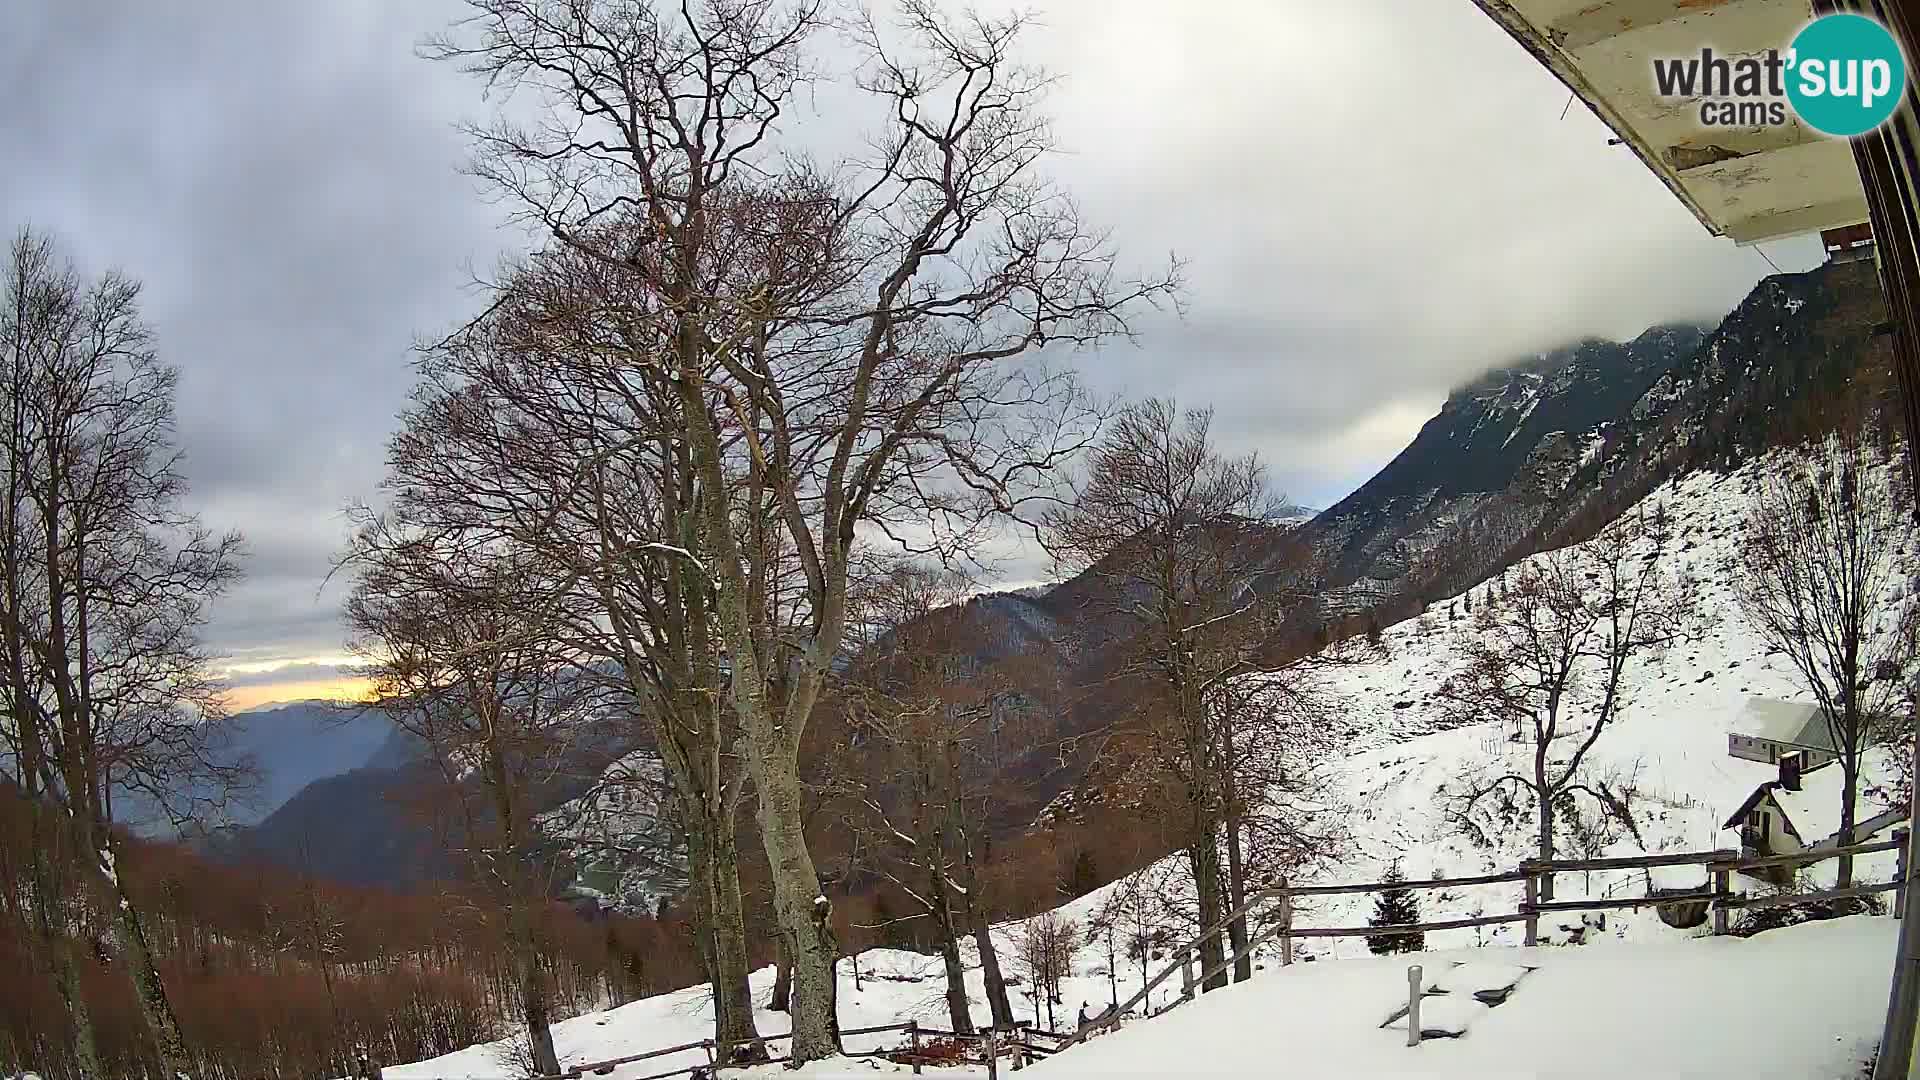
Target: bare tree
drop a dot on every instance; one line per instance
(1272, 735)
(461, 646)
(1823, 584)
(538, 428)
(1139, 905)
(1047, 945)
(107, 684)
(839, 339)
(1550, 662)
(1176, 534)
(928, 717)
(908, 723)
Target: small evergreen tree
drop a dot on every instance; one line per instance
(1395, 907)
(1085, 876)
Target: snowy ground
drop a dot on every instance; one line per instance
(1804, 1003)
(1640, 999)
(1800, 1003)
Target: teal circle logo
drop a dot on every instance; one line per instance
(1845, 75)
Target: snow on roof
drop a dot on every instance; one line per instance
(1814, 810)
(1799, 723)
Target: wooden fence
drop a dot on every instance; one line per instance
(1022, 1043)
(1719, 866)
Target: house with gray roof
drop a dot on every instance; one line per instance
(1767, 728)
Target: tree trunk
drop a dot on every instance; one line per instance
(1546, 841)
(535, 1007)
(1203, 856)
(997, 999)
(959, 1011)
(996, 984)
(48, 905)
(1850, 767)
(1237, 899)
(801, 911)
(1236, 860)
(782, 999)
(1113, 973)
(726, 921)
(149, 991)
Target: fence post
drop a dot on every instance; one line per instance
(1413, 1005)
(1528, 907)
(1900, 873)
(1186, 975)
(913, 1037)
(993, 1057)
(1286, 924)
(1722, 884)
(713, 1056)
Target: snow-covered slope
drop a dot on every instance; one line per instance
(1695, 1001)
(1669, 746)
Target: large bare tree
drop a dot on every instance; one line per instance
(107, 685)
(1823, 583)
(1194, 577)
(540, 428)
(841, 337)
(1550, 661)
(934, 715)
(464, 646)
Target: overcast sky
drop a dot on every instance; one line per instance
(1378, 199)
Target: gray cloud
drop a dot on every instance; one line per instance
(1377, 199)
(284, 179)
(287, 673)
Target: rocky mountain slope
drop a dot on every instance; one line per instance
(1545, 452)
(1508, 436)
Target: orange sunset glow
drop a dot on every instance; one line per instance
(252, 697)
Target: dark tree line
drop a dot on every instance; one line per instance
(274, 973)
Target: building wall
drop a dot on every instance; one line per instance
(1768, 751)
(1748, 747)
(1780, 839)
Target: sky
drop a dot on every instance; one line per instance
(1377, 199)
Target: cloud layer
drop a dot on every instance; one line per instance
(1378, 199)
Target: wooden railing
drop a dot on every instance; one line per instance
(1720, 864)
(1022, 1042)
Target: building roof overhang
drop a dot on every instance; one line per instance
(1749, 184)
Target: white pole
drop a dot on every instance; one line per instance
(1413, 1005)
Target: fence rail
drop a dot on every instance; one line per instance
(1718, 865)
